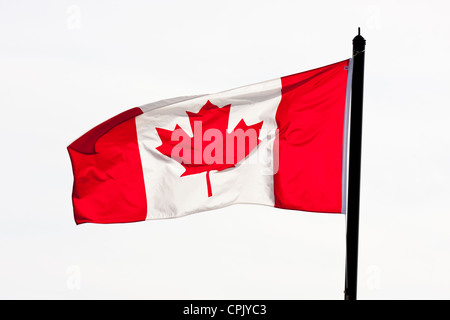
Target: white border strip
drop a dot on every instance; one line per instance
(348, 94)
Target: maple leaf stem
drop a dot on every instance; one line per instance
(208, 183)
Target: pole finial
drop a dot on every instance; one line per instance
(358, 43)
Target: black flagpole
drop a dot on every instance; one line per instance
(354, 175)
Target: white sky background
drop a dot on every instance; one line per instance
(66, 66)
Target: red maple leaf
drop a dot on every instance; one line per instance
(211, 147)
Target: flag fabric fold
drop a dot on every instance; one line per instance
(280, 143)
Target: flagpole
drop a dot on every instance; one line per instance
(354, 174)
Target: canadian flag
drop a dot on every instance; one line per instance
(280, 143)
